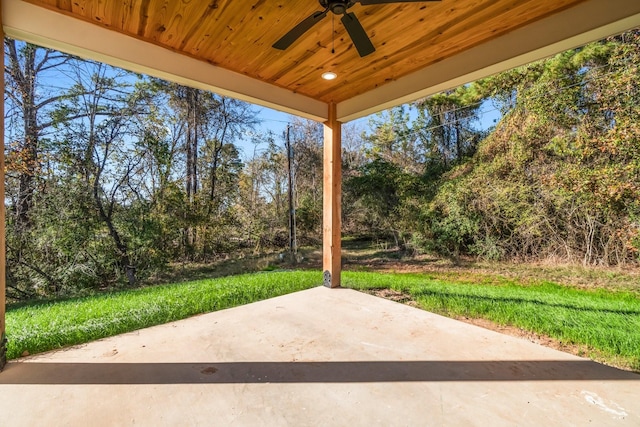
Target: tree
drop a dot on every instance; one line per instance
(227, 122)
(445, 125)
(392, 140)
(98, 142)
(29, 110)
(306, 140)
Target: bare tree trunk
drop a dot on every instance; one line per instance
(192, 156)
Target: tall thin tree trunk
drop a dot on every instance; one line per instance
(192, 157)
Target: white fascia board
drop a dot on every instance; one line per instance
(43, 27)
(582, 24)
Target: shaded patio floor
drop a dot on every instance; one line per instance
(316, 357)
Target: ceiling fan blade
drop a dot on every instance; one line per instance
(304, 26)
(358, 35)
(368, 2)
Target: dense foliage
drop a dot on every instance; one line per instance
(111, 176)
(557, 177)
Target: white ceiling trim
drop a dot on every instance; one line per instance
(584, 23)
(46, 28)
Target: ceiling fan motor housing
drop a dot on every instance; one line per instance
(338, 7)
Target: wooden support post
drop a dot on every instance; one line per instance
(331, 206)
(3, 276)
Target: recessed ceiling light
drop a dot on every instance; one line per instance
(329, 75)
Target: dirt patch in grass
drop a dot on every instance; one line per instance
(392, 295)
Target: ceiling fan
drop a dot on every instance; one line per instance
(349, 20)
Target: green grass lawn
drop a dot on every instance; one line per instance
(42, 326)
(606, 323)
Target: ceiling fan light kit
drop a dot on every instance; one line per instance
(351, 23)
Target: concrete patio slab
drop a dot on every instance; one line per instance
(318, 357)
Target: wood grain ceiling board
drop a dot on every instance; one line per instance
(237, 35)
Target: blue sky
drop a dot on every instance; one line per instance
(276, 122)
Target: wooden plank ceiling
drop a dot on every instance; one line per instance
(237, 35)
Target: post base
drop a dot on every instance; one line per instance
(327, 278)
